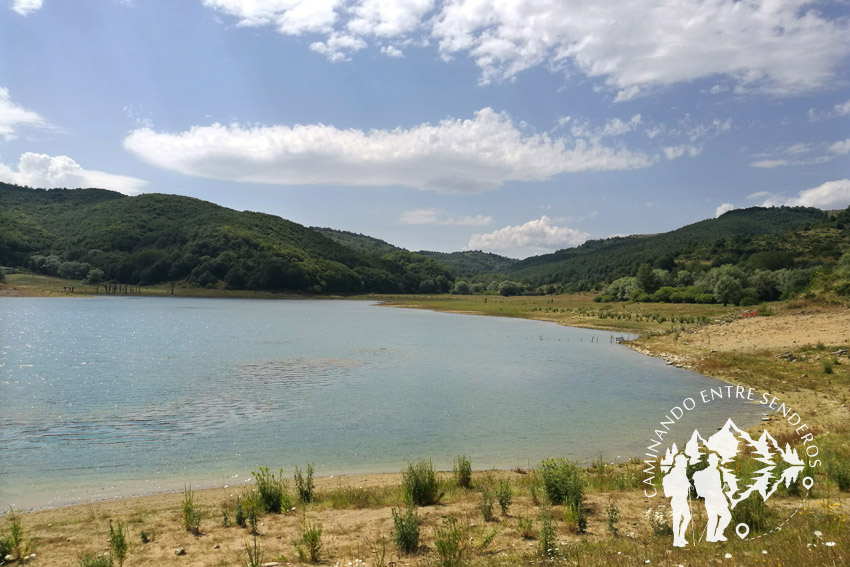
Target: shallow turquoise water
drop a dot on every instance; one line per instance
(104, 397)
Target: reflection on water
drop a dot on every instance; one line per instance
(104, 397)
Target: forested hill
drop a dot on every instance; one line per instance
(467, 264)
(714, 241)
(101, 235)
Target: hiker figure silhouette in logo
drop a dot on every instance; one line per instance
(709, 484)
(677, 488)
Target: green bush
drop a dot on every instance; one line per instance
(304, 484)
(525, 527)
(406, 530)
(419, 486)
(487, 501)
(839, 471)
(254, 554)
(274, 493)
(546, 536)
(613, 514)
(562, 482)
(827, 366)
(450, 543)
(463, 471)
(753, 512)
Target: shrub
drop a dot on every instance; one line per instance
(304, 485)
(311, 540)
(504, 494)
(406, 530)
(658, 522)
(147, 536)
(118, 543)
(274, 494)
(191, 516)
(753, 512)
(249, 508)
(463, 471)
(450, 543)
(419, 486)
(827, 366)
(562, 482)
(839, 471)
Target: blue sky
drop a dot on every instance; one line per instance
(514, 127)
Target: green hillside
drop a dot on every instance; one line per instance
(471, 263)
(714, 241)
(152, 238)
(359, 242)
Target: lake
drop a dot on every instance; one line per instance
(116, 396)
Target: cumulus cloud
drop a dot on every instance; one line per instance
(43, 171)
(13, 116)
(675, 152)
(433, 216)
(724, 208)
(534, 237)
(26, 7)
(830, 195)
(453, 156)
(840, 109)
(782, 47)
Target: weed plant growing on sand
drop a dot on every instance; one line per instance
(406, 530)
(253, 554)
(118, 543)
(504, 494)
(613, 514)
(191, 515)
(304, 484)
(16, 543)
(525, 527)
(463, 471)
(450, 543)
(488, 498)
(273, 491)
(419, 485)
(839, 471)
(309, 544)
(546, 536)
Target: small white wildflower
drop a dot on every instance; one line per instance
(764, 552)
(647, 562)
(818, 534)
(728, 556)
(829, 543)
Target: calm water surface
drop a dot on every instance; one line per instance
(103, 397)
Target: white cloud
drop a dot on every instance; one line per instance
(26, 7)
(770, 163)
(433, 216)
(840, 147)
(724, 208)
(675, 152)
(43, 171)
(392, 51)
(453, 156)
(534, 237)
(830, 195)
(13, 116)
(616, 127)
(781, 47)
(840, 109)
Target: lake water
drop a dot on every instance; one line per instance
(113, 396)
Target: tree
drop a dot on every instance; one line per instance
(461, 287)
(646, 279)
(2, 275)
(509, 288)
(95, 276)
(727, 290)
